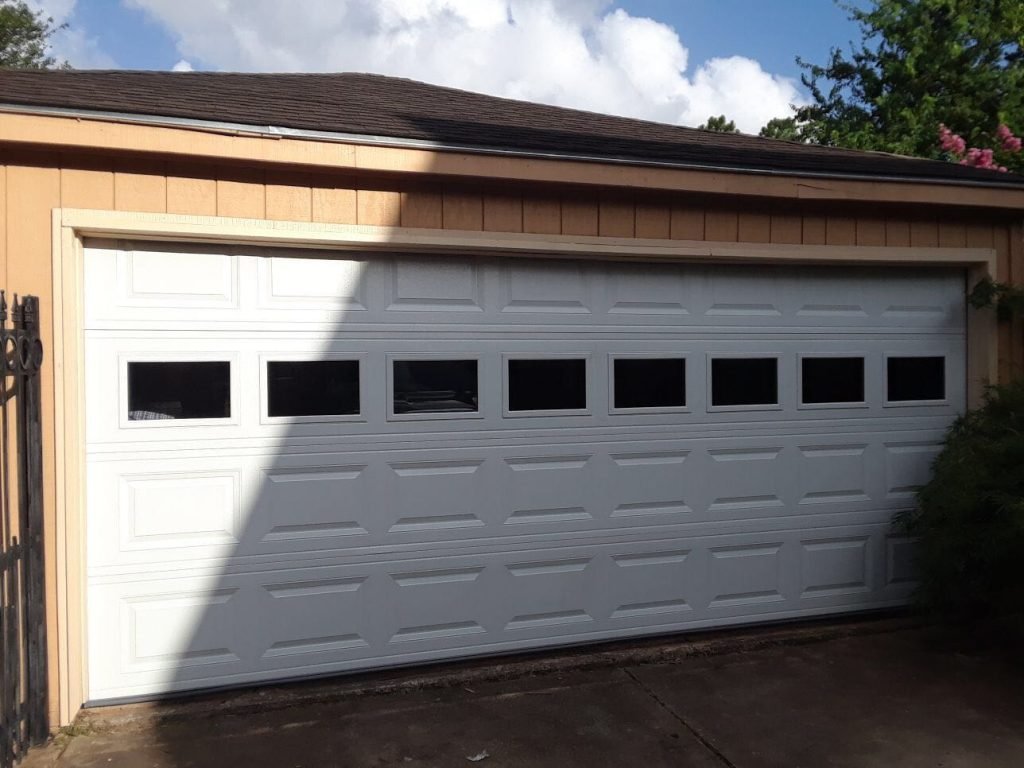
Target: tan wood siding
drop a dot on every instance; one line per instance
(289, 198)
(870, 231)
(421, 208)
(687, 223)
(334, 206)
(503, 213)
(140, 186)
(191, 195)
(616, 218)
(542, 216)
(379, 208)
(754, 227)
(579, 217)
(654, 221)
(462, 210)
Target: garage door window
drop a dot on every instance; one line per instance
(744, 382)
(435, 388)
(648, 383)
(547, 386)
(312, 388)
(832, 381)
(915, 379)
(179, 390)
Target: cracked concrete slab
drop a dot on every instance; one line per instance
(576, 719)
(854, 701)
(888, 700)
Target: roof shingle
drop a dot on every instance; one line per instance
(375, 105)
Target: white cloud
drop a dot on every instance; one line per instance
(182, 66)
(575, 53)
(72, 44)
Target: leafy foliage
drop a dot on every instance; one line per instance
(1007, 299)
(970, 520)
(921, 63)
(784, 128)
(25, 36)
(719, 124)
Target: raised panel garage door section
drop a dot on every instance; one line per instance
(302, 463)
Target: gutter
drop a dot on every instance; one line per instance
(301, 134)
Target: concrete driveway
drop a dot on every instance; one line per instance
(868, 699)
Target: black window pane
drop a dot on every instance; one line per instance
(744, 381)
(547, 385)
(179, 390)
(312, 387)
(832, 379)
(916, 378)
(435, 386)
(650, 383)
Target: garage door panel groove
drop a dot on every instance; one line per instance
(137, 282)
(357, 506)
(699, 584)
(357, 446)
(259, 547)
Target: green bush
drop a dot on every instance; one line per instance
(970, 521)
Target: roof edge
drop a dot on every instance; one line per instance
(281, 132)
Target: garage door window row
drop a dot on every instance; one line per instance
(331, 388)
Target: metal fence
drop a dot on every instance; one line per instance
(23, 674)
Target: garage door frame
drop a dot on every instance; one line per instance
(72, 226)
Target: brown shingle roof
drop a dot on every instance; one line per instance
(375, 105)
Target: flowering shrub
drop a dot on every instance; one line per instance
(955, 146)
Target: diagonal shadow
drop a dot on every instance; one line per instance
(302, 545)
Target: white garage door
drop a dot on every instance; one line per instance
(300, 465)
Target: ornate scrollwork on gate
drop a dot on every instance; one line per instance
(22, 347)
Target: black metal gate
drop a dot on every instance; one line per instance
(23, 681)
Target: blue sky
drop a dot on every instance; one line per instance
(737, 55)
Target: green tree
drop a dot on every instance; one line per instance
(719, 124)
(25, 36)
(784, 128)
(920, 63)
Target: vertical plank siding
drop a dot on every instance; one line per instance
(193, 196)
(580, 217)
(687, 223)
(242, 194)
(333, 205)
(289, 198)
(542, 216)
(140, 186)
(462, 210)
(653, 221)
(503, 213)
(421, 208)
(32, 186)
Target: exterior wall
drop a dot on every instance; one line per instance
(33, 183)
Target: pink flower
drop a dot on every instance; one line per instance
(1007, 140)
(977, 157)
(972, 157)
(951, 142)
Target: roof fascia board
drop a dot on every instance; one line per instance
(990, 191)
